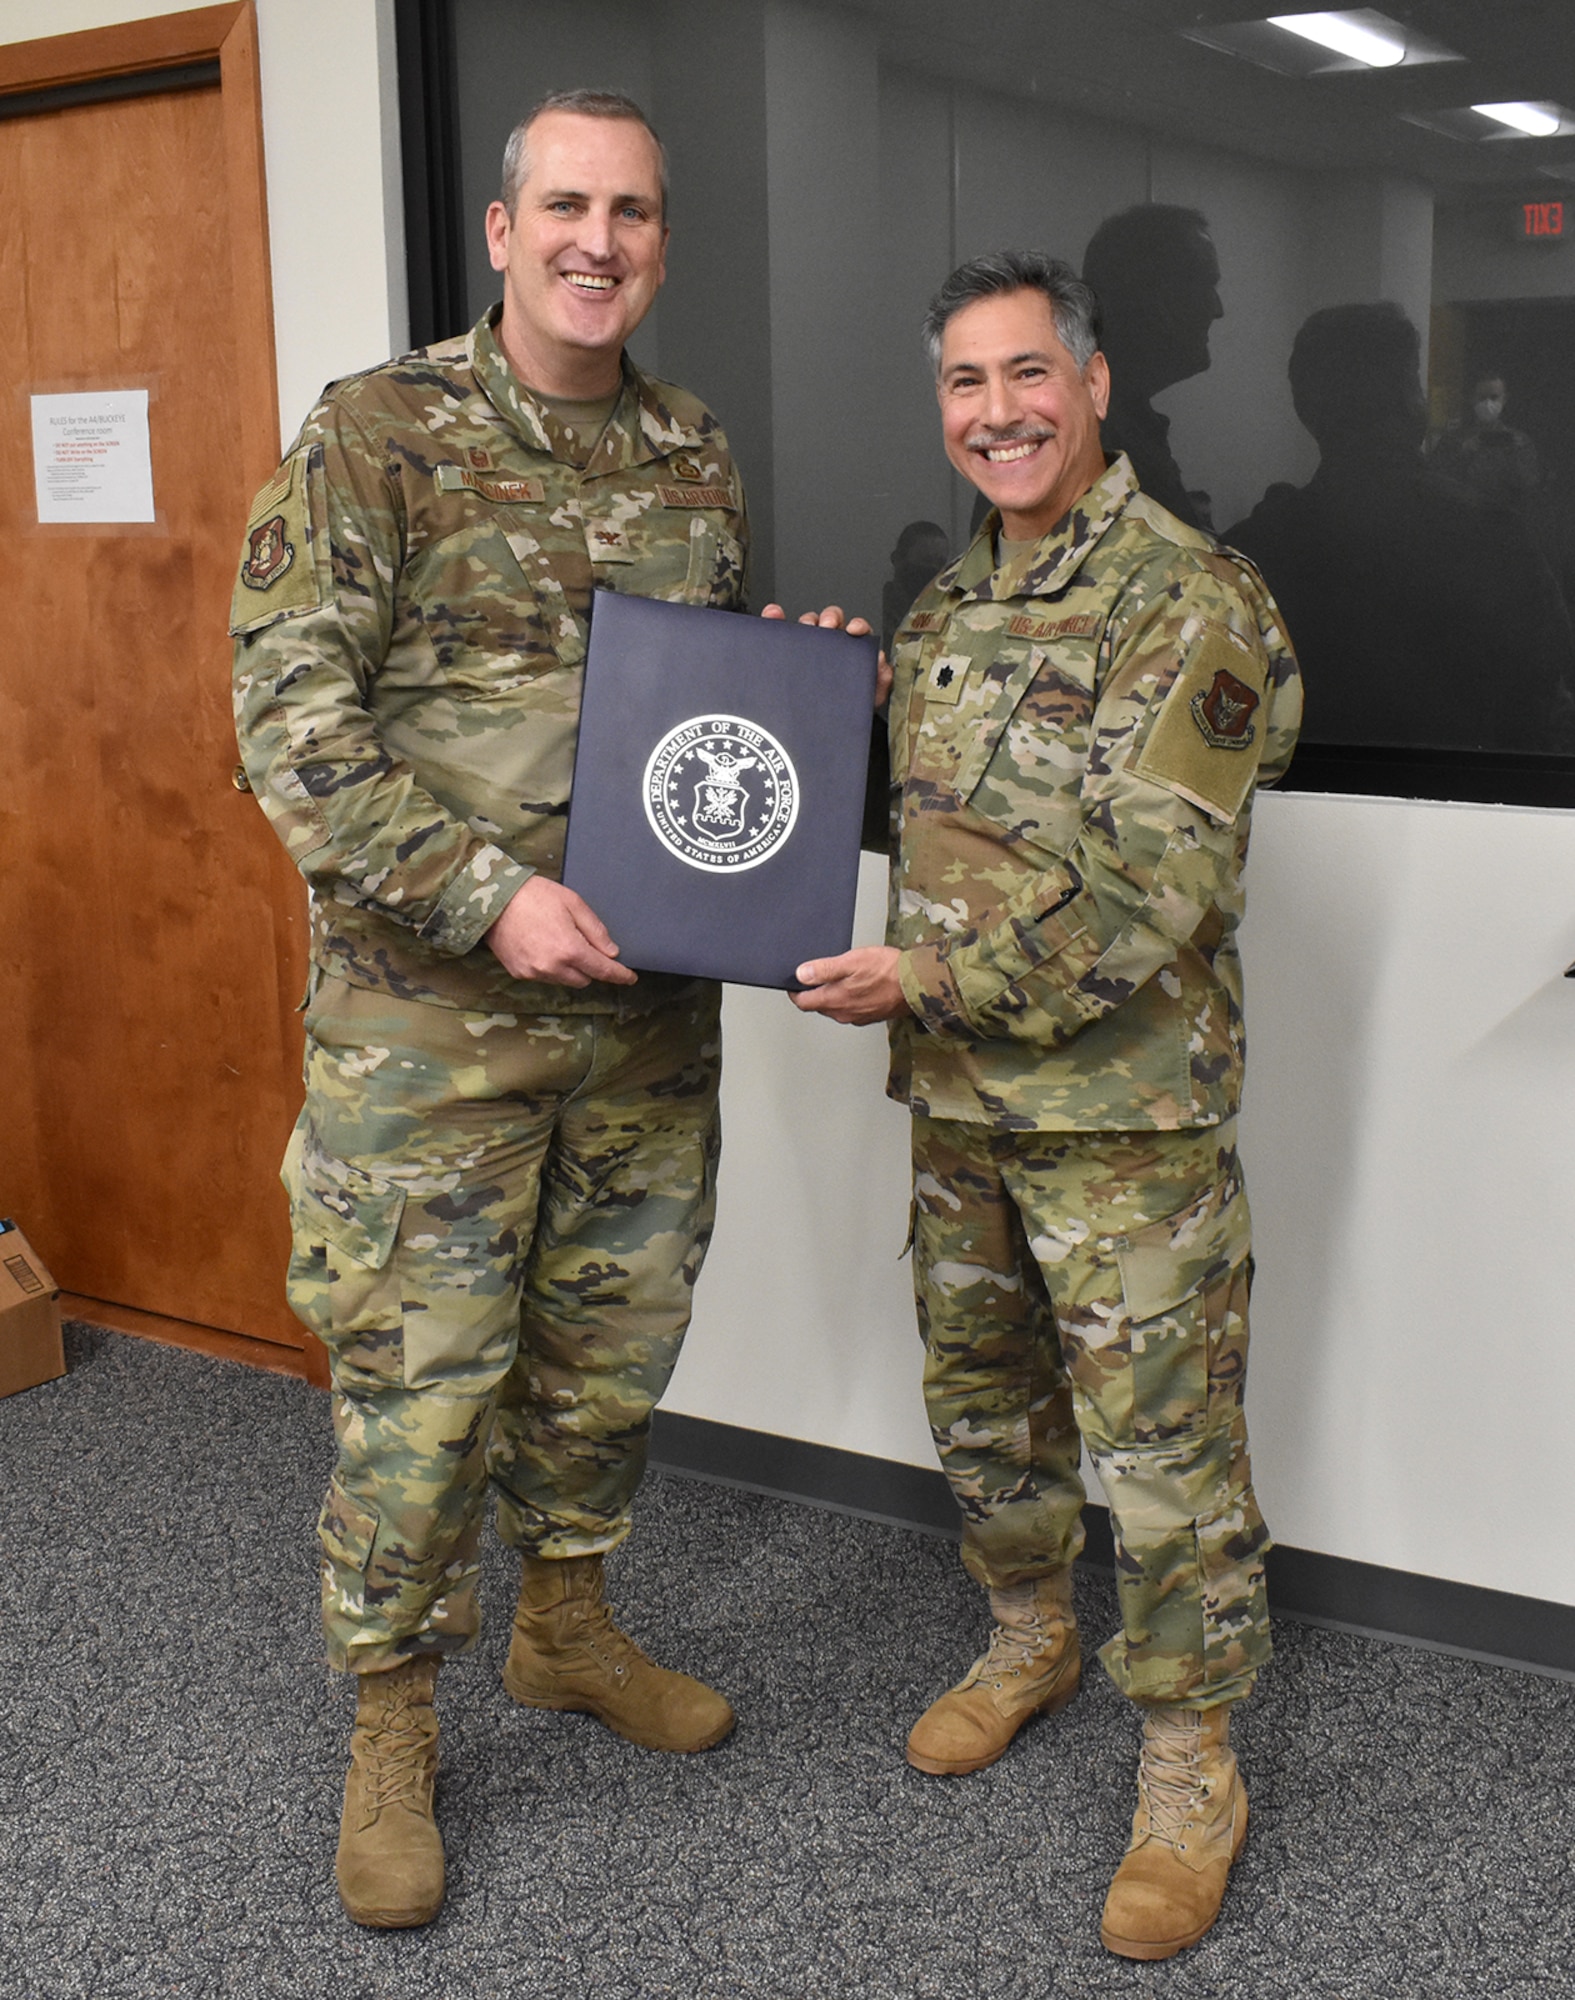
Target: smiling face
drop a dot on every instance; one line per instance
(1020, 419)
(583, 254)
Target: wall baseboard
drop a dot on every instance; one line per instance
(1492, 1625)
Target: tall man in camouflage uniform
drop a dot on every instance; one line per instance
(502, 1182)
(1083, 703)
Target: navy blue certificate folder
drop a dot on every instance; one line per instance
(719, 788)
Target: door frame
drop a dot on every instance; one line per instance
(201, 46)
(227, 35)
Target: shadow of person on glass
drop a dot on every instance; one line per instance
(922, 552)
(1157, 278)
(1423, 614)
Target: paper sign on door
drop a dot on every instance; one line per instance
(91, 457)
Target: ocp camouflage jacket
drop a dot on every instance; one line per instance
(410, 622)
(1075, 742)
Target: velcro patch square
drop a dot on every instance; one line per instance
(1207, 739)
(277, 574)
(944, 678)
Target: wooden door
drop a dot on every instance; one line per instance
(150, 926)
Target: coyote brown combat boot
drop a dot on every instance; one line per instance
(568, 1653)
(1033, 1667)
(390, 1862)
(1190, 1823)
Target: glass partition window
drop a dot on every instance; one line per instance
(1337, 265)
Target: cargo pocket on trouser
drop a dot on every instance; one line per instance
(1190, 1545)
(1183, 1287)
(343, 1281)
(347, 1531)
(1190, 1539)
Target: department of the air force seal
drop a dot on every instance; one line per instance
(720, 792)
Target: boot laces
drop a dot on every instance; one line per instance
(396, 1764)
(1171, 1776)
(604, 1637)
(1011, 1649)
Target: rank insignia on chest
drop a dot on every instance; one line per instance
(945, 680)
(607, 542)
(1224, 713)
(268, 554)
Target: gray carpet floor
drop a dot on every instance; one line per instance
(172, 1750)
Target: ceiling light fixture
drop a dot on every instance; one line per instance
(1347, 36)
(1535, 121)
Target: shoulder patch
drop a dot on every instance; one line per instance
(1208, 737)
(277, 575)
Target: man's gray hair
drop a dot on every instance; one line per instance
(1073, 304)
(586, 104)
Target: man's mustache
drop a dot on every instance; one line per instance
(986, 440)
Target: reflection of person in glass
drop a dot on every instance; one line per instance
(1424, 615)
(1489, 454)
(922, 550)
(1157, 279)
(1082, 707)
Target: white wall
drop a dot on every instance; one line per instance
(1407, 1139)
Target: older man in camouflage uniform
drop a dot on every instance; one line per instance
(502, 1182)
(1083, 704)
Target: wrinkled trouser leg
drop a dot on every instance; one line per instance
(1096, 1283)
(628, 1201)
(434, 1175)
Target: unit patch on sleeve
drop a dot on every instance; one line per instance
(1224, 714)
(277, 574)
(269, 553)
(1205, 743)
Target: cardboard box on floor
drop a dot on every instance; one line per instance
(31, 1350)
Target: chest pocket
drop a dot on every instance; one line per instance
(494, 601)
(1011, 680)
(1025, 768)
(714, 573)
(686, 557)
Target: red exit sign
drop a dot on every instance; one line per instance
(1541, 220)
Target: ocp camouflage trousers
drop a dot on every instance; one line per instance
(497, 1226)
(1091, 1289)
